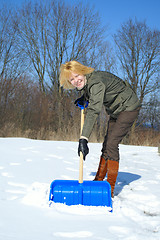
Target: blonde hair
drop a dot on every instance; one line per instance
(72, 67)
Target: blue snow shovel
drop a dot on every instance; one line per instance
(88, 193)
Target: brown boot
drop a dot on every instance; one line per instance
(102, 170)
(112, 172)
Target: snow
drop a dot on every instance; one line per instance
(27, 168)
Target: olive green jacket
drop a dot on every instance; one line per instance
(104, 88)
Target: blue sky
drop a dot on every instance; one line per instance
(114, 12)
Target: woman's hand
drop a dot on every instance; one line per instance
(80, 101)
(83, 147)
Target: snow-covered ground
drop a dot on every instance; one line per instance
(27, 167)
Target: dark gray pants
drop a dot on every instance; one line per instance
(116, 131)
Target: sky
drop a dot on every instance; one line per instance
(115, 12)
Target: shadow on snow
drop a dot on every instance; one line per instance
(123, 179)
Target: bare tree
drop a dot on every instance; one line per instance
(6, 42)
(10, 67)
(139, 55)
(31, 24)
(53, 33)
(74, 33)
(103, 57)
(151, 111)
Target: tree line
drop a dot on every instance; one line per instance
(36, 38)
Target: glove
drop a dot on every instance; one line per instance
(83, 147)
(80, 101)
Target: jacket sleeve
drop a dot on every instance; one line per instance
(96, 92)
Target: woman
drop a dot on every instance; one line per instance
(121, 104)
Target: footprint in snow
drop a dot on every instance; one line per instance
(15, 164)
(55, 156)
(21, 185)
(26, 148)
(72, 169)
(75, 235)
(29, 160)
(70, 163)
(65, 177)
(121, 231)
(6, 174)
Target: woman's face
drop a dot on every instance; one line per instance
(77, 80)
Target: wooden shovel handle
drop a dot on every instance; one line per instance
(81, 155)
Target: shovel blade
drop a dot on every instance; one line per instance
(88, 193)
